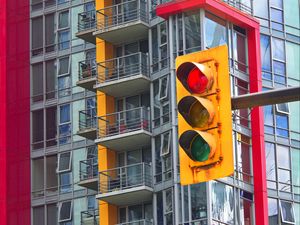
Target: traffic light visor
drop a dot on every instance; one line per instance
(198, 112)
(199, 146)
(196, 78)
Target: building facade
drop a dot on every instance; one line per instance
(104, 142)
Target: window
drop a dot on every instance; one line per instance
(63, 66)
(265, 53)
(163, 87)
(51, 129)
(276, 14)
(37, 82)
(215, 31)
(287, 212)
(198, 201)
(65, 211)
(63, 39)
(64, 162)
(50, 79)
(168, 206)
(166, 140)
(272, 211)
(37, 129)
(63, 20)
(64, 124)
(64, 86)
(37, 36)
(50, 32)
(192, 31)
(38, 215)
(282, 108)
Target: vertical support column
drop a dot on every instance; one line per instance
(257, 128)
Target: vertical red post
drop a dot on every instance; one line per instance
(257, 128)
(14, 113)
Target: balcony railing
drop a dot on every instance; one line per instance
(124, 122)
(86, 20)
(123, 67)
(87, 69)
(88, 169)
(90, 217)
(137, 222)
(87, 119)
(126, 177)
(121, 14)
(240, 6)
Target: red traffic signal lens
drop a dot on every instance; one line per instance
(200, 149)
(197, 81)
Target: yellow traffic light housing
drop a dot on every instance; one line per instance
(204, 115)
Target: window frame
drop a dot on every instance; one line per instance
(283, 112)
(70, 163)
(281, 214)
(70, 211)
(160, 89)
(162, 143)
(59, 66)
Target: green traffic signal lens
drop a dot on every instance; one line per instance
(198, 115)
(200, 150)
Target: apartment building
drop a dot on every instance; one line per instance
(102, 129)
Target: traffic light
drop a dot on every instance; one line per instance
(204, 115)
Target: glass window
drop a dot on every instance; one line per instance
(163, 88)
(64, 163)
(64, 66)
(282, 125)
(50, 79)
(51, 214)
(65, 182)
(272, 211)
(276, 3)
(135, 213)
(277, 19)
(37, 82)
(65, 211)
(38, 215)
(37, 128)
(64, 113)
(64, 88)
(37, 33)
(295, 170)
(270, 164)
(287, 212)
(278, 49)
(279, 72)
(49, 31)
(192, 31)
(198, 201)
(215, 31)
(64, 133)
(63, 20)
(165, 147)
(159, 212)
(240, 49)
(283, 156)
(282, 108)
(268, 117)
(51, 123)
(265, 52)
(222, 203)
(292, 63)
(63, 39)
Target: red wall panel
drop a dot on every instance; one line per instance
(14, 113)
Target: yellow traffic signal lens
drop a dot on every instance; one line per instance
(199, 116)
(200, 150)
(197, 81)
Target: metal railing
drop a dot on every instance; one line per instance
(137, 222)
(122, 13)
(90, 217)
(88, 169)
(240, 6)
(124, 122)
(87, 69)
(123, 67)
(87, 119)
(86, 20)
(122, 178)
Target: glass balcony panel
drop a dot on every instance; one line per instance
(137, 222)
(86, 26)
(87, 123)
(127, 74)
(87, 74)
(90, 217)
(111, 20)
(126, 185)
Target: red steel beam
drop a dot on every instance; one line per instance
(249, 23)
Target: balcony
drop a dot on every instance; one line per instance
(87, 74)
(125, 130)
(90, 217)
(86, 26)
(137, 222)
(126, 185)
(88, 173)
(128, 74)
(127, 21)
(88, 124)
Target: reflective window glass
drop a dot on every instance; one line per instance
(265, 52)
(287, 212)
(65, 211)
(215, 31)
(63, 20)
(198, 201)
(63, 39)
(64, 113)
(272, 211)
(192, 31)
(283, 156)
(278, 49)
